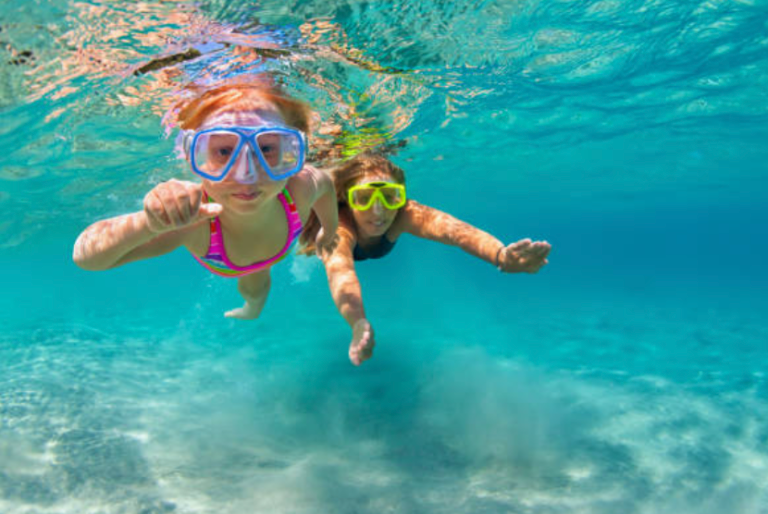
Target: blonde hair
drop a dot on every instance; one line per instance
(346, 175)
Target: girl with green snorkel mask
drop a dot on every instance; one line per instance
(374, 211)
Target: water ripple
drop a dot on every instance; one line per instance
(85, 84)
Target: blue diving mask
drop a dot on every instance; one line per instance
(216, 152)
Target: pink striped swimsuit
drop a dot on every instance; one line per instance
(216, 259)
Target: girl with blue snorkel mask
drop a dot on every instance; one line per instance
(248, 144)
(374, 211)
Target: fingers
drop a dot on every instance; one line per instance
(354, 356)
(175, 204)
(362, 345)
(330, 243)
(187, 203)
(538, 257)
(367, 351)
(527, 247)
(325, 245)
(525, 255)
(173, 208)
(519, 246)
(362, 351)
(541, 249)
(157, 218)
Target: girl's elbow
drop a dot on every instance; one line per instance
(87, 262)
(78, 255)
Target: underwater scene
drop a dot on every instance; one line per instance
(628, 375)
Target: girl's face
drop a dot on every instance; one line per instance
(233, 195)
(377, 219)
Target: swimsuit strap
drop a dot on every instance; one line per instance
(216, 259)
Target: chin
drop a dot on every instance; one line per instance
(244, 206)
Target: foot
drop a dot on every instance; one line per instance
(254, 289)
(361, 348)
(247, 311)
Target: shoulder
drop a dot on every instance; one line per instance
(412, 208)
(307, 185)
(308, 182)
(422, 220)
(412, 214)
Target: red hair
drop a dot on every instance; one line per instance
(243, 97)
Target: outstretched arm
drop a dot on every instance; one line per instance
(107, 243)
(347, 295)
(423, 221)
(170, 210)
(342, 278)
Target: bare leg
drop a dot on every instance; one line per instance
(254, 288)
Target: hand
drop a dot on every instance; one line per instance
(176, 204)
(325, 243)
(524, 256)
(361, 348)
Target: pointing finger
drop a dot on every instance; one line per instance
(522, 244)
(183, 208)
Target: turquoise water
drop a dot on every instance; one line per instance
(626, 377)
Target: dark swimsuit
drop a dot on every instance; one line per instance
(377, 252)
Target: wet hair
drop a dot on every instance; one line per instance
(241, 97)
(350, 172)
(346, 175)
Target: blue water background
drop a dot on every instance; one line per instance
(628, 376)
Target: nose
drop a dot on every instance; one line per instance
(378, 208)
(246, 169)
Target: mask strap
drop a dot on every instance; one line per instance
(186, 142)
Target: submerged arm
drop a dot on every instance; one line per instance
(342, 279)
(423, 221)
(171, 212)
(112, 242)
(522, 256)
(346, 293)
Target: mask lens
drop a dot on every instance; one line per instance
(362, 197)
(392, 196)
(281, 151)
(213, 151)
